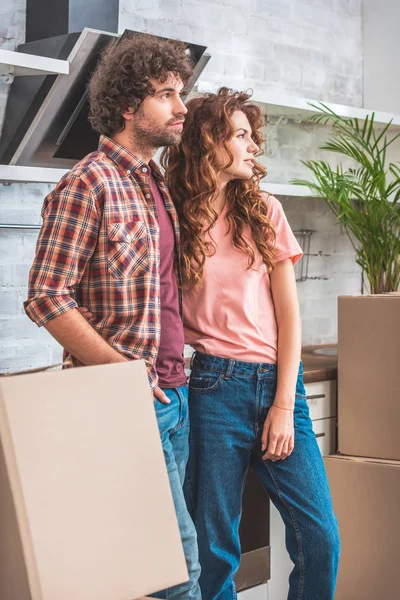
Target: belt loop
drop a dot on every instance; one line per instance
(192, 359)
(229, 369)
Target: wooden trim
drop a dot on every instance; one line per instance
(255, 568)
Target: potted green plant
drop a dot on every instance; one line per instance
(365, 197)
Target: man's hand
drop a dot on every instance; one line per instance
(85, 313)
(79, 338)
(159, 395)
(278, 434)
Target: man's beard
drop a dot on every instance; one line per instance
(146, 134)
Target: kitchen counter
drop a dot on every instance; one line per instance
(319, 362)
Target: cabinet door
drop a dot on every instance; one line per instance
(281, 565)
(321, 399)
(325, 432)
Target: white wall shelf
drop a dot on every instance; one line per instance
(18, 174)
(18, 63)
(298, 109)
(285, 189)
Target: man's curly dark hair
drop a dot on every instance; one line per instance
(122, 77)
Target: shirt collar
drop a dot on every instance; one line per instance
(128, 161)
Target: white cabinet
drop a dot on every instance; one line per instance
(281, 565)
(321, 398)
(325, 432)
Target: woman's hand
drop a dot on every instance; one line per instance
(278, 434)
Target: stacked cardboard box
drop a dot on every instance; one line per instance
(365, 476)
(86, 510)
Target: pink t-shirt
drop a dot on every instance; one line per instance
(231, 313)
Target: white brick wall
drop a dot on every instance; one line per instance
(311, 48)
(289, 144)
(332, 269)
(22, 344)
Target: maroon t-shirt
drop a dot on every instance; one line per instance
(170, 363)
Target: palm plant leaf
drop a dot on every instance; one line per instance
(365, 198)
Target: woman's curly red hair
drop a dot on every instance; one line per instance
(192, 178)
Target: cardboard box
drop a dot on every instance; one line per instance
(366, 499)
(86, 510)
(369, 376)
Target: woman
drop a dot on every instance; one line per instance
(246, 394)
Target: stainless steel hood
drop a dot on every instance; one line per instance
(46, 120)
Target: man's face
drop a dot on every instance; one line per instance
(159, 118)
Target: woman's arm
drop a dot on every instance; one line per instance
(284, 293)
(278, 434)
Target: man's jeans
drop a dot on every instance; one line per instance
(173, 423)
(229, 401)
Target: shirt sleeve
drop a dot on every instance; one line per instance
(65, 245)
(286, 245)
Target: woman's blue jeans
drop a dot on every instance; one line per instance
(228, 402)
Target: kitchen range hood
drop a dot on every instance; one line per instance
(46, 119)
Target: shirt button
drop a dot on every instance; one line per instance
(158, 229)
(144, 169)
(147, 196)
(129, 171)
(128, 238)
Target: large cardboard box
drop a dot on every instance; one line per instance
(86, 510)
(369, 376)
(366, 499)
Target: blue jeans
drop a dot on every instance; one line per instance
(173, 423)
(229, 401)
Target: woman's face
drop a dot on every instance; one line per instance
(242, 148)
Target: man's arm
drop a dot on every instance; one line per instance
(74, 333)
(65, 245)
(87, 316)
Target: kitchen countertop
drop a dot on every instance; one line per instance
(319, 362)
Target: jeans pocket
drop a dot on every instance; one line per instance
(205, 382)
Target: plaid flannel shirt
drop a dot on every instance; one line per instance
(99, 248)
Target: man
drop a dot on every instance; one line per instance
(109, 242)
